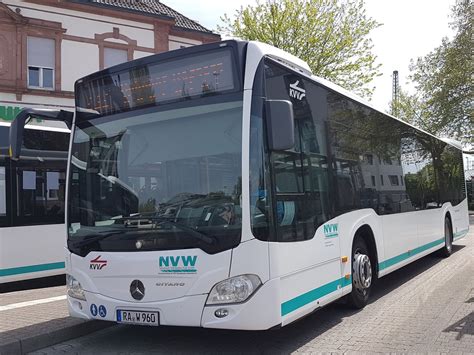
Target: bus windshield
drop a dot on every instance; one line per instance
(157, 179)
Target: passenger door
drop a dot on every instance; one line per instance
(307, 262)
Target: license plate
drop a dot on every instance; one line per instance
(138, 317)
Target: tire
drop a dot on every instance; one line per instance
(363, 272)
(448, 239)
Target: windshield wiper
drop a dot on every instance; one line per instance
(94, 238)
(210, 240)
(163, 220)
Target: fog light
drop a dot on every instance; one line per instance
(221, 313)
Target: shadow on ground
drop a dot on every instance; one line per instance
(43, 282)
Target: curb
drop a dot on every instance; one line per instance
(33, 343)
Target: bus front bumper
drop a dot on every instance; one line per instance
(261, 311)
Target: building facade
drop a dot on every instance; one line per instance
(46, 45)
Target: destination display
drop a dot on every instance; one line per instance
(182, 78)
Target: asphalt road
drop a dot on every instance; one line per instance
(427, 306)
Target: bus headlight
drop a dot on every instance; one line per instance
(74, 288)
(234, 290)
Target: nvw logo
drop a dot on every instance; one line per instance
(97, 264)
(330, 230)
(296, 92)
(185, 264)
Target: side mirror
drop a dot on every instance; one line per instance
(17, 127)
(280, 124)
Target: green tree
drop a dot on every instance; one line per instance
(330, 35)
(443, 79)
(413, 109)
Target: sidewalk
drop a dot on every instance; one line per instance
(34, 319)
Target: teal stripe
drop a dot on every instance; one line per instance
(399, 258)
(179, 270)
(313, 295)
(461, 233)
(31, 268)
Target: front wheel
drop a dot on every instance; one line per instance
(448, 239)
(362, 275)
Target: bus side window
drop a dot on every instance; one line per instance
(41, 196)
(300, 174)
(3, 192)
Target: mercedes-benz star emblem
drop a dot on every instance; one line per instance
(137, 289)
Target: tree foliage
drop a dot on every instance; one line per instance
(443, 78)
(330, 35)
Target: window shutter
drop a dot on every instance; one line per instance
(114, 56)
(41, 52)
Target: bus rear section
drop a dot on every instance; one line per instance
(32, 204)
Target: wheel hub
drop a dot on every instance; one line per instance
(362, 272)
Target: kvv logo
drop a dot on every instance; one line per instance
(97, 263)
(178, 264)
(331, 230)
(296, 92)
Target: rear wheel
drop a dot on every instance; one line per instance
(362, 274)
(448, 238)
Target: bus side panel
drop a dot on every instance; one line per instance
(31, 252)
(309, 271)
(312, 273)
(431, 227)
(400, 232)
(460, 219)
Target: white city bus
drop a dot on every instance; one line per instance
(225, 186)
(32, 196)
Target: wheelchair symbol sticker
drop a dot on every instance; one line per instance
(102, 311)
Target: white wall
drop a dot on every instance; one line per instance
(77, 60)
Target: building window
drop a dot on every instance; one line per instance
(114, 56)
(41, 63)
(393, 180)
(381, 180)
(373, 180)
(387, 161)
(370, 159)
(401, 179)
